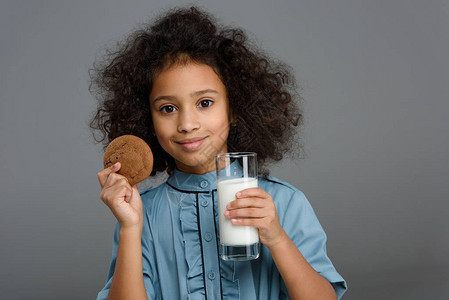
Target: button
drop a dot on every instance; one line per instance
(211, 275)
(204, 184)
(208, 237)
(204, 203)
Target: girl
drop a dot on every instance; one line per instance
(191, 90)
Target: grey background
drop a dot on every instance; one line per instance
(375, 78)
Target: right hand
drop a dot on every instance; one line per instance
(123, 200)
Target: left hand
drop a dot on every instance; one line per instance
(255, 207)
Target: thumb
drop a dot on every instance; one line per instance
(135, 196)
(104, 174)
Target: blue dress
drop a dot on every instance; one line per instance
(180, 243)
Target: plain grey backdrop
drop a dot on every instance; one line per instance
(376, 83)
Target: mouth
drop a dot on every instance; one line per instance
(191, 144)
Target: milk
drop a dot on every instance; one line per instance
(230, 234)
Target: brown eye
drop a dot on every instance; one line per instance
(168, 109)
(205, 103)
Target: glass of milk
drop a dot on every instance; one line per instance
(236, 171)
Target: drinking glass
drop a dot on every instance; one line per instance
(236, 171)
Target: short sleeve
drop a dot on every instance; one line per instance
(148, 265)
(302, 226)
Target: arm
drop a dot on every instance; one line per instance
(255, 207)
(125, 203)
(301, 280)
(127, 282)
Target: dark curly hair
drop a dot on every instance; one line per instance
(261, 92)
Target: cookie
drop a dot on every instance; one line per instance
(134, 155)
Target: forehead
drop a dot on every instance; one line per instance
(186, 78)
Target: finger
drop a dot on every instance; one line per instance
(126, 191)
(114, 195)
(128, 195)
(134, 193)
(246, 213)
(104, 174)
(252, 192)
(115, 179)
(246, 202)
(135, 199)
(253, 222)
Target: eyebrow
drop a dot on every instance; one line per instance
(193, 94)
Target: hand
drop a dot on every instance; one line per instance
(255, 207)
(123, 200)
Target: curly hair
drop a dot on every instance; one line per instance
(262, 93)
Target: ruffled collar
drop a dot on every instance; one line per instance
(194, 183)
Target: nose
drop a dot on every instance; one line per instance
(188, 121)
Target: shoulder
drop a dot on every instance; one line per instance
(287, 198)
(275, 185)
(153, 194)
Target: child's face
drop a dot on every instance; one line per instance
(191, 118)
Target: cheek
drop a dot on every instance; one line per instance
(158, 123)
(164, 140)
(160, 130)
(222, 129)
(161, 134)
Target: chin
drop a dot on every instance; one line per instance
(199, 162)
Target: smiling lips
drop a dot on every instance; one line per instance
(191, 144)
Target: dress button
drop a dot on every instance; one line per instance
(211, 275)
(208, 237)
(204, 184)
(204, 203)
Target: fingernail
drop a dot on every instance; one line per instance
(238, 194)
(226, 213)
(228, 205)
(115, 165)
